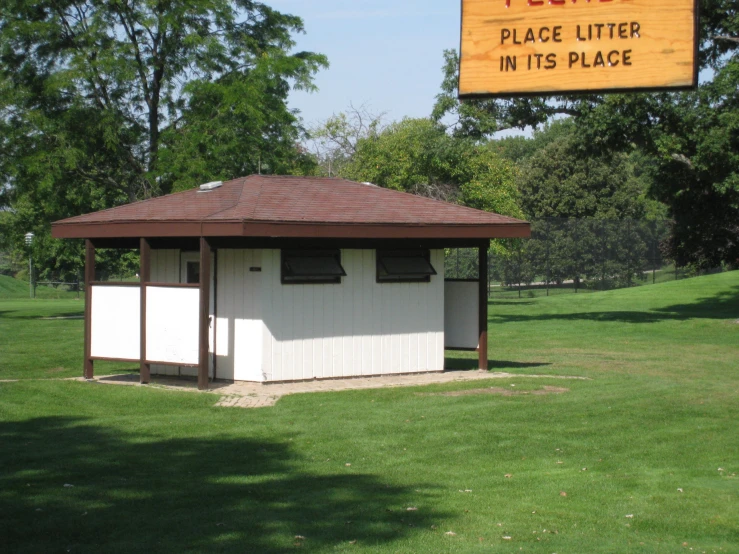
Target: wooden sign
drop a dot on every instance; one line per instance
(540, 47)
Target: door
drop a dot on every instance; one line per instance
(240, 335)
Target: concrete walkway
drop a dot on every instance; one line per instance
(256, 395)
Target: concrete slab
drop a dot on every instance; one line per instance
(257, 395)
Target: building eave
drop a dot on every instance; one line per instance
(106, 230)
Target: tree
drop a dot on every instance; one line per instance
(481, 119)
(692, 140)
(418, 156)
(689, 137)
(560, 180)
(334, 142)
(103, 103)
(583, 207)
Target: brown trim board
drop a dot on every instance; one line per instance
(144, 276)
(203, 334)
(88, 366)
(174, 285)
(483, 305)
(308, 230)
(115, 284)
(171, 364)
(191, 244)
(106, 359)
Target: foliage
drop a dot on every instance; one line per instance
(693, 140)
(690, 138)
(335, 140)
(519, 148)
(577, 201)
(102, 103)
(559, 180)
(417, 155)
(480, 119)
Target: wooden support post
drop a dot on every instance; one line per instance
(483, 306)
(87, 368)
(204, 324)
(144, 278)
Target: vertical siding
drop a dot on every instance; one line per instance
(357, 328)
(165, 266)
(267, 303)
(240, 346)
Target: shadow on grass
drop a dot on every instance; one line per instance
(724, 305)
(188, 494)
(457, 363)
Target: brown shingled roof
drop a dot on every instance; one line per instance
(275, 206)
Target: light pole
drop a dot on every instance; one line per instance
(29, 242)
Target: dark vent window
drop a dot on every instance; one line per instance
(312, 267)
(404, 266)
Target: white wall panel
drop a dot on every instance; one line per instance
(165, 268)
(116, 323)
(172, 324)
(461, 302)
(240, 353)
(359, 327)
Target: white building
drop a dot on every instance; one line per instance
(272, 279)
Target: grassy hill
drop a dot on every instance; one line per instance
(640, 455)
(15, 289)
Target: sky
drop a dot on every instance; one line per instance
(384, 54)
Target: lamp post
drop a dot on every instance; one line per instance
(29, 242)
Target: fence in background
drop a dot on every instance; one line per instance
(75, 287)
(573, 256)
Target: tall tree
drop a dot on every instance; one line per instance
(334, 141)
(559, 180)
(418, 156)
(690, 137)
(107, 102)
(578, 202)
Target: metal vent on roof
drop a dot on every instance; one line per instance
(212, 185)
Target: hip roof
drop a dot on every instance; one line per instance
(279, 206)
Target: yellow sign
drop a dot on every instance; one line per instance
(519, 47)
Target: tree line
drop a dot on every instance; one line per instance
(104, 103)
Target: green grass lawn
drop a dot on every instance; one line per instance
(642, 456)
(42, 339)
(14, 289)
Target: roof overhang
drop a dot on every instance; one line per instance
(183, 229)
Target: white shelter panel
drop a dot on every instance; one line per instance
(172, 324)
(170, 266)
(165, 268)
(116, 322)
(358, 327)
(461, 311)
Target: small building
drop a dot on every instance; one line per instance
(271, 279)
